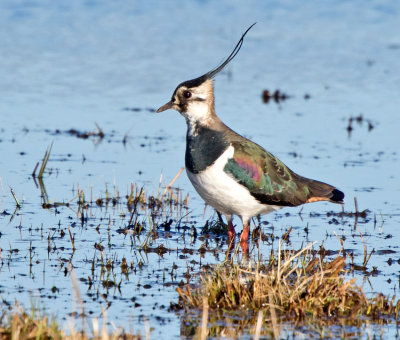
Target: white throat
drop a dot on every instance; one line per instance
(200, 106)
(198, 114)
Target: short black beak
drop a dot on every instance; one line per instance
(167, 106)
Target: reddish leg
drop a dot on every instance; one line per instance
(244, 238)
(231, 237)
(231, 230)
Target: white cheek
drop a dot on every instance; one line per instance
(197, 111)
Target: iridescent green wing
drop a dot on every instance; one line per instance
(265, 176)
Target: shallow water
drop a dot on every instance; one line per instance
(69, 66)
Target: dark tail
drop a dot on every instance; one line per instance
(337, 196)
(323, 192)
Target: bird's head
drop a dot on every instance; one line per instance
(194, 99)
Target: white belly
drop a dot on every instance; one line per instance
(224, 194)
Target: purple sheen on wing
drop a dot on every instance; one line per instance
(250, 168)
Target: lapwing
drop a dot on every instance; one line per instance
(230, 172)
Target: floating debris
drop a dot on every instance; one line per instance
(139, 109)
(80, 134)
(277, 96)
(360, 120)
(85, 135)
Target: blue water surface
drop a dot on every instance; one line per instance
(71, 65)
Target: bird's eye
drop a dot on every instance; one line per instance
(187, 94)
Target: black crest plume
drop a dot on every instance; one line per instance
(211, 74)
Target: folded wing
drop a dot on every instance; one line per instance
(272, 182)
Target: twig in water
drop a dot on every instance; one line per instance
(258, 325)
(204, 319)
(356, 214)
(356, 205)
(172, 182)
(78, 296)
(100, 131)
(366, 256)
(341, 243)
(126, 136)
(147, 328)
(286, 235)
(15, 198)
(274, 319)
(34, 170)
(72, 239)
(44, 162)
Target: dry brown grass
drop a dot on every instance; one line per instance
(297, 287)
(23, 326)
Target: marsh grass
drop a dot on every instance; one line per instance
(300, 287)
(137, 202)
(17, 323)
(22, 325)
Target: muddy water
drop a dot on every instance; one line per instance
(70, 66)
